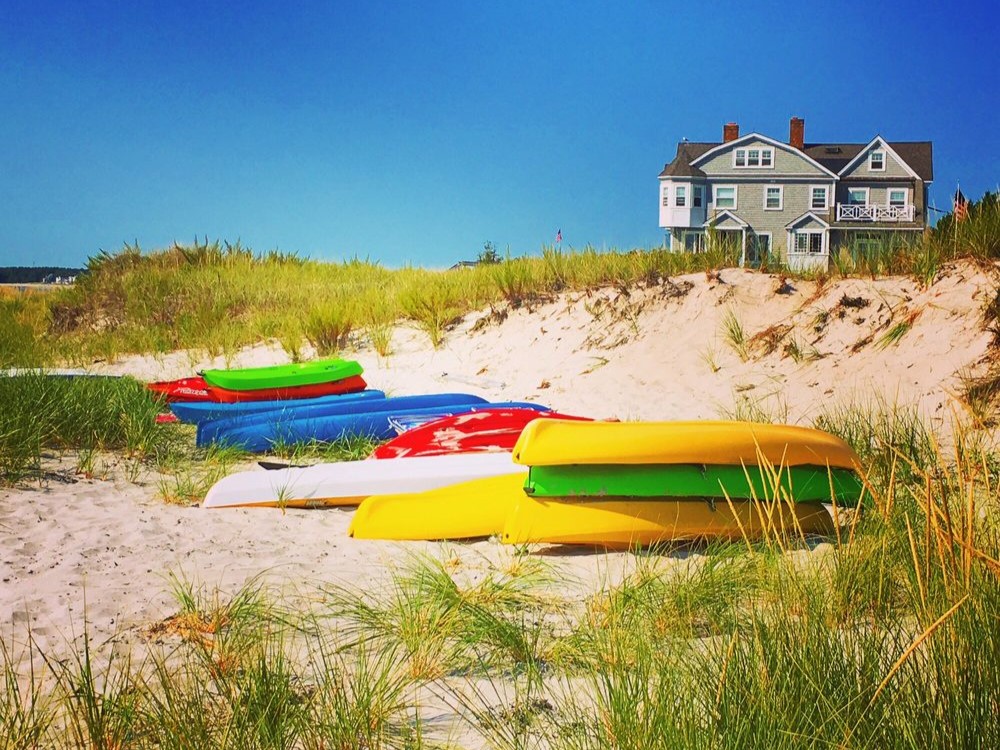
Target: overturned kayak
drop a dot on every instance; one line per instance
(488, 429)
(348, 483)
(197, 412)
(465, 510)
(283, 376)
(622, 523)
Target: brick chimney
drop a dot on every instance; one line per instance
(730, 132)
(797, 133)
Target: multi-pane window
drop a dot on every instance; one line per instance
(897, 197)
(818, 199)
(808, 242)
(877, 161)
(753, 157)
(696, 196)
(772, 198)
(680, 199)
(725, 197)
(666, 196)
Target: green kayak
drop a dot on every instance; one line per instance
(283, 376)
(801, 483)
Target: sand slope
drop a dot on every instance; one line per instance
(651, 353)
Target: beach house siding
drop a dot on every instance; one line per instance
(787, 161)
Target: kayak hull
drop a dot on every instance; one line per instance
(351, 384)
(204, 411)
(283, 376)
(623, 523)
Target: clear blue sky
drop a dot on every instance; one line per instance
(415, 132)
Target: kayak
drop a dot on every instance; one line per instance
(465, 510)
(197, 412)
(348, 483)
(350, 384)
(549, 442)
(796, 483)
(480, 431)
(261, 432)
(623, 523)
(185, 389)
(283, 376)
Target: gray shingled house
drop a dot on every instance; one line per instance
(798, 201)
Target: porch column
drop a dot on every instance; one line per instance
(743, 247)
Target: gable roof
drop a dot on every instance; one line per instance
(892, 152)
(803, 217)
(833, 157)
(777, 144)
(722, 216)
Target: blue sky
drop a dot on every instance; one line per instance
(415, 132)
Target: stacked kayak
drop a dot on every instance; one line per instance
(350, 482)
(485, 430)
(328, 422)
(625, 484)
(303, 380)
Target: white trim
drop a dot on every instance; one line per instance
(826, 198)
(771, 142)
(678, 196)
(781, 197)
(736, 197)
(824, 242)
(722, 216)
(890, 190)
(871, 160)
(665, 196)
(868, 195)
(803, 217)
(698, 190)
(888, 149)
(760, 158)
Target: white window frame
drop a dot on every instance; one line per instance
(761, 152)
(868, 194)
(666, 196)
(794, 244)
(680, 196)
(715, 197)
(871, 160)
(904, 190)
(781, 197)
(697, 196)
(826, 197)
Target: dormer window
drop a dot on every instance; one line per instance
(753, 157)
(876, 161)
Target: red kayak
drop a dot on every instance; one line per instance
(185, 389)
(196, 389)
(352, 384)
(489, 430)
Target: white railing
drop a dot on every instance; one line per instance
(871, 212)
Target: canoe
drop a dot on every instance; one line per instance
(466, 510)
(197, 412)
(348, 483)
(351, 384)
(796, 483)
(185, 389)
(484, 430)
(550, 442)
(622, 523)
(263, 431)
(283, 376)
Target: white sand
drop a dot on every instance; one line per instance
(646, 355)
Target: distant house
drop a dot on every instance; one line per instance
(797, 200)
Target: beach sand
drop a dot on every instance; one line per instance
(104, 548)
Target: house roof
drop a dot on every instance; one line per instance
(833, 156)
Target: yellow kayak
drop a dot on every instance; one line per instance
(551, 442)
(620, 523)
(460, 511)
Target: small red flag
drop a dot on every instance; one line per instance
(559, 236)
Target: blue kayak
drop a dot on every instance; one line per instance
(197, 412)
(376, 425)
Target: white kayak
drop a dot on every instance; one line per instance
(350, 482)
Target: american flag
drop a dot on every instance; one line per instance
(559, 236)
(960, 206)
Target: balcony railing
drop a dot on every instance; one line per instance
(871, 212)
